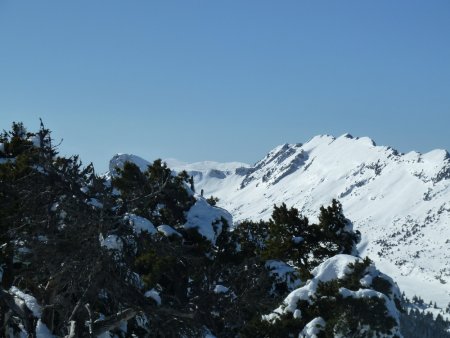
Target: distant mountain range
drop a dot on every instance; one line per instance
(400, 202)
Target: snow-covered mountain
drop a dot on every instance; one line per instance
(400, 202)
(157, 257)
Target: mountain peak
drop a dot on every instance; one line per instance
(399, 201)
(347, 135)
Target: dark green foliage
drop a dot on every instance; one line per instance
(357, 314)
(418, 322)
(286, 231)
(290, 218)
(381, 285)
(41, 202)
(352, 280)
(23, 175)
(196, 242)
(7, 264)
(285, 327)
(252, 237)
(15, 141)
(45, 207)
(156, 269)
(191, 183)
(212, 200)
(290, 236)
(344, 316)
(333, 233)
(155, 194)
(131, 181)
(332, 218)
(225, 250)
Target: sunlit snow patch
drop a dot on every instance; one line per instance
(111, 242)
(140, 224)
(168, 231)
(153, 294)
(207, 219)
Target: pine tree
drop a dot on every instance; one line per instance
(333, 234)
(286, 232)
(155, 194)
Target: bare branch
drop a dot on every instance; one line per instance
(153, 193)
(113, 321)
(72, 329)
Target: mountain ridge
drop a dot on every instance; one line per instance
(399, 201)
(146, 253)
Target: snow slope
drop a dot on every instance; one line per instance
(400, 202)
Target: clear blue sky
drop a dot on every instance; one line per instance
(225, 80)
